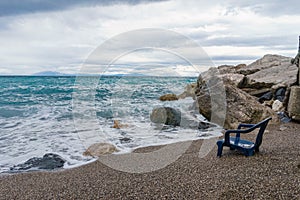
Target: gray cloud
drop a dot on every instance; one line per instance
(17, 7)
(267, 7)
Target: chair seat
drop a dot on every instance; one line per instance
(242, 143)
(247, 147)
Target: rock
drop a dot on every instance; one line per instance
(257, 93)
(125, 140)
(118, 125)
(280, 94)
(168, 97)
(294, 103)
(235, 79)
(49, 161)
(230, 69)
(189, 91)
(166, 115)
(241, 107)
(99, 149)
(268, 103)
(191, 122)
(271, 70)
(277, 106)
(266, 97)
(226, 69)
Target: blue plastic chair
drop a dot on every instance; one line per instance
(245, 146)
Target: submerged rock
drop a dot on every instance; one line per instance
(99, 149)
(166, 115)
(168, 97)
(174, 117)
(49, 161)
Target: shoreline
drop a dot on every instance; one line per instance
(272, 173)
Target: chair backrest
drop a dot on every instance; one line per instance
(263, 124)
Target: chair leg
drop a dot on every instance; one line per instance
(220, 149)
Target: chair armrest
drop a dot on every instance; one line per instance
(237, 132)
(245, 126)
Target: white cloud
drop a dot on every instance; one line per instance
(61, 40)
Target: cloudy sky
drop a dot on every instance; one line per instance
(53, 35)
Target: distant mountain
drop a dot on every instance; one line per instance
(51, 73)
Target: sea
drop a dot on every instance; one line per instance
(62, 115)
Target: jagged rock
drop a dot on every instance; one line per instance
(49, 161)
(189, 91)
(240, 106)
(230, 69)
(99, 149)
(294, 103)
(168, 97)
(166, 115)
(236, 79)
(271, 70)
(226, 69)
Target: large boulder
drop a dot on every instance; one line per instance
(240, 106)
(99, 149)
(269, 71)
(49, 161)
(166, 115)
(174, 117)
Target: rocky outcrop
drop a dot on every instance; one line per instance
(240, 106)
(99, 149)
(49, 161)
(168, 97)
(268, 78)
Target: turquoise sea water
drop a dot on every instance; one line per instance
(37, 115)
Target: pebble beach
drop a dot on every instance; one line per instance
(273, 173)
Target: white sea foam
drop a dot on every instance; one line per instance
(46, 122)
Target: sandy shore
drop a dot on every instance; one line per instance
(274, 173)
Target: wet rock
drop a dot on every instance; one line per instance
(49, 161)
(166, 115)
(168, 97)
(118, 125)
(99, 149)
(125, 140)
(189, 121)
